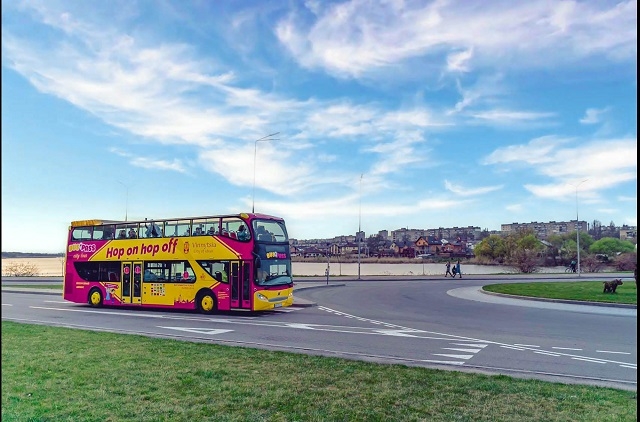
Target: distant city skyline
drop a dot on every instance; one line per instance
(381, 113)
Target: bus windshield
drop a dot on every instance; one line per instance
(273, 265)
(270, 231)
(274, 273)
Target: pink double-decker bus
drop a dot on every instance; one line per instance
(208, 263)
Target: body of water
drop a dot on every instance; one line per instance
(351, 269)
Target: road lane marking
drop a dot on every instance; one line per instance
(453, 356)
(589, 360)
(426, 335)
(462, 350)
(566, 348)
(609, 351)
(482, 346)
(546, 353)
(207, 331)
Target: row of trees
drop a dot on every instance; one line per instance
(523, 250)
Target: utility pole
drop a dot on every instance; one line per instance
(255, 154)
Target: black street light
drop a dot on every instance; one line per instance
(126, 203)
(578, 223)
(359, 223)
(255, 153)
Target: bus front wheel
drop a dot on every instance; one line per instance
(206, 303)
(95, 297)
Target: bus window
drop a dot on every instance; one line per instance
(219, 270)
(175, 228)
(231, 226)
(81, 233)
(182, 271)
(212, 227)
(156, 271)
(132, 231)
(103, 232)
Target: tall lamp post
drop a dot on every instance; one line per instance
(126, 203)
(359, 223)
(255, 154)
(328, 262)
(578, 224)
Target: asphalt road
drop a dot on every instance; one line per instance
(430, 321)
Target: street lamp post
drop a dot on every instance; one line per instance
(359, 223)
(328, 263)
(255, 154)
(578, 224)
(126, 203)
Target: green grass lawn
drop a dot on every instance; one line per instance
(572, 290)
(61, 374)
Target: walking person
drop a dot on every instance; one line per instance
(457, 267)
(449, 270)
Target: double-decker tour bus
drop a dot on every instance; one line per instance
(207, 263)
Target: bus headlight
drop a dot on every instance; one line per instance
(262, 297)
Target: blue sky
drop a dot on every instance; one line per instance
(391, 114)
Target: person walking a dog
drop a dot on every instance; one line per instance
(449, 270)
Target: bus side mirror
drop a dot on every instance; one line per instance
(218, 276)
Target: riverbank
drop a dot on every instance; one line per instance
(53, 267)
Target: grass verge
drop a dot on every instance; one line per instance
(61, 374)
(573, 290)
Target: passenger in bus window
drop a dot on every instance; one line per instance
(198, 231)
(122, 234)
(132, 234)
(243, 234)
(211, 231)
(187, 232)
(152, 230)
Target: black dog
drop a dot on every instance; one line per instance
(611, 286)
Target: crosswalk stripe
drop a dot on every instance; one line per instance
(454, 356)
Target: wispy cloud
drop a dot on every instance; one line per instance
(355, 37)
(462, 191)
(593, 116)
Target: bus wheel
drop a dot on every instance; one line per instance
(95, 297)
(206, 303)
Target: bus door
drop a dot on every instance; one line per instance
(132, 282)
(240, 287)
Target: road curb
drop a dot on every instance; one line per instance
(304, 303)
(572, 302)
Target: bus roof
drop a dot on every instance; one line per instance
(99, 222)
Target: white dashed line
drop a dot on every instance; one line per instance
(566, 348)
(609, 351)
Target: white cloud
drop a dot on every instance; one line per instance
(462, 191)
(352, 38)
(593, 116)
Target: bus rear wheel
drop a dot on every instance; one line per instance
(95, 297)
(206, 303)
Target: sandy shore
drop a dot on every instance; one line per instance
(46, 267)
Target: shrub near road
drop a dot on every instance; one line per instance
(573, 290)
(61, 374)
